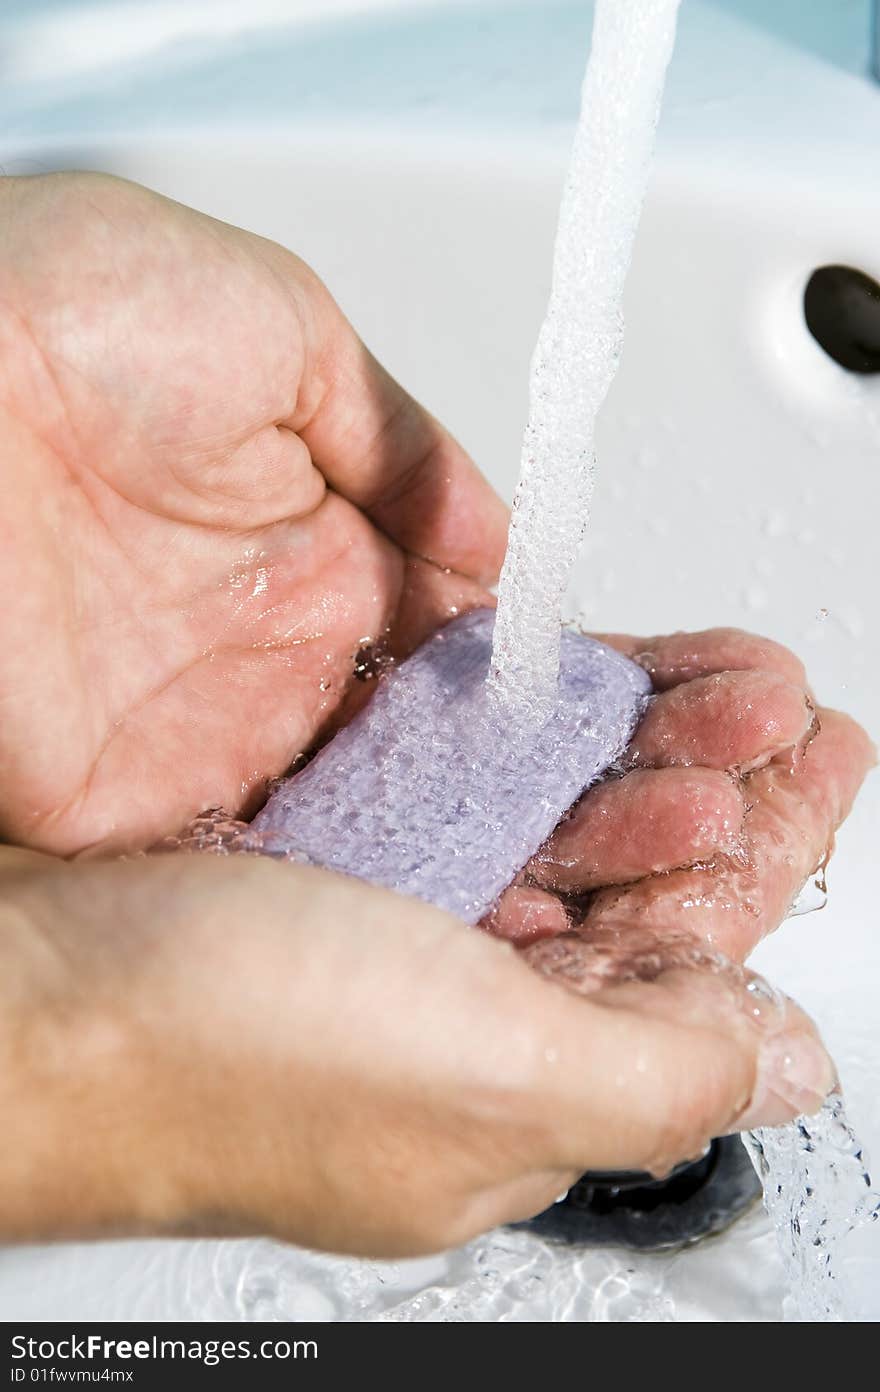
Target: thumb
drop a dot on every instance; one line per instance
(645, 1073)
(385, 452)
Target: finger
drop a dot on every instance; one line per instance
(731, 720)
(644, 1074)
(267, 476)
(384, 452)
(648, 821)
(524, 915)
(624, 643)
(431, 596)
(15, 859)
(681, 657)
(793, 812)
(516, 1200)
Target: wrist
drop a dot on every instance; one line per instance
(80, 1085)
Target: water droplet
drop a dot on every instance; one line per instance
(812, 896)
(755, 597)
(776, 524)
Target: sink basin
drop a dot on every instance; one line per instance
(738, 484)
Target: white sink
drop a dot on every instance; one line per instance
(738, 484)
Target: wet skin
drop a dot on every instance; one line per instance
(215, 494)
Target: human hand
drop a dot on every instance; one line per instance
(201, 1045)
(216, 495)
(735, 784)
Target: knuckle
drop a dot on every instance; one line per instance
(695, 1112)
(677, 1137)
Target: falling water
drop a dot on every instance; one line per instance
(820, 1200)
(580, 340)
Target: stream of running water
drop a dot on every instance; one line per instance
(580, 340)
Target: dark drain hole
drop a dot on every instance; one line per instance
(842, 310)
(643, 1214)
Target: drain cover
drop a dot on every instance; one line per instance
(620, 1209)
(842, 311)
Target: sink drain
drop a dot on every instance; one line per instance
(842, 310)
(635, 1210)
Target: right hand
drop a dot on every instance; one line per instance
(198, 1044)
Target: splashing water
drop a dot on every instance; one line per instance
(819, 1197)
(580, 340)
(818, 1192)
(508, 1275)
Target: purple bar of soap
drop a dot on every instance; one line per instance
(433, 792)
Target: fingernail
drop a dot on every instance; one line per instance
(795, 1075)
